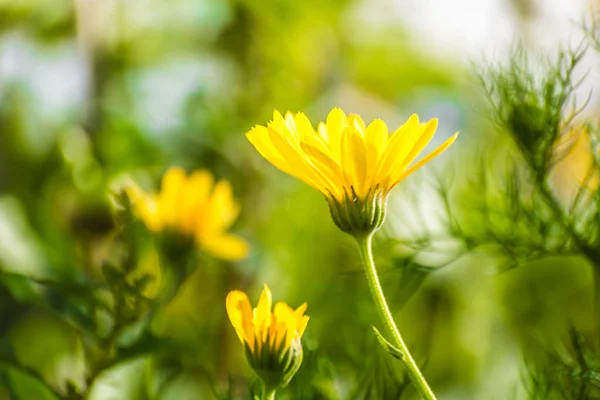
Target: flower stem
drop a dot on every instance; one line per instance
(269, 395)
(364, 246)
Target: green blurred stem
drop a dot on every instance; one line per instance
(596, 275)
(269, 395)
(365, 249)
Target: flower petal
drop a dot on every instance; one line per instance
(357, 122)
(300, 165)
(171, 194)
(426, 159)
(227, 247)
(301, 319)
(326, 166)
(425, 137)
(399, 145)
(303, 125)
(302, 325)
(335, 124)
(376, 139)
(262, 314)
(223, 209)
(240, 315)
(286, 324)
(194, 198)
(259, 138)
(354, 160)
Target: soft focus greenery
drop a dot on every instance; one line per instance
(490, 255)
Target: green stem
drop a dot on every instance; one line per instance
(596, 275)
(364, 246)
(269, 395)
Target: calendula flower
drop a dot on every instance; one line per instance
(193, 206)
(352, 164)
(271, 338)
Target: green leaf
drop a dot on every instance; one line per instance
(387, 346)
(146, 344)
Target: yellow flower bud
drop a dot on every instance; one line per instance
(271, 339)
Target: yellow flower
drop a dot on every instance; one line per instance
(271, 338)
(195, 207)
(352, 164)
(261, 327)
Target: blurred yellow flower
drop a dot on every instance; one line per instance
(344, 159)
(271, 339)
(572, 175)
(194, 206)
(260, 327)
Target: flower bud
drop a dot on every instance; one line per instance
(271, 339)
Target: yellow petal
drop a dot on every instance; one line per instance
(303, 125)
(411, 123)
(326, 166)
(399, 145)
(282, 311)
(354, 160)
(169, 200)
(300, 165)
(376, 137)
(273, 331)
(301, 310)
(259, 138)
(425, 137)
(286, 326)
(240, 315)
(278, 118)
(194, 200)
(262, 314)
(285, 152)
(357, 122)
(227, 247)
(335, 124)
(290, 123)
(285, 126)
(302, 325)
(426, 159)
(322, 133)
(336, 121)
(222, 210)
(301, 319)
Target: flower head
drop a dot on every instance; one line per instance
(195, 207)
(271, 338)
(354, 165)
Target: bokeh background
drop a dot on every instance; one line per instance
(96, 93)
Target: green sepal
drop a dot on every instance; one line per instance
(359, 216)
(274, 365)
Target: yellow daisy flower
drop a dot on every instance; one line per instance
(352, 164)
(195, 207)
(271, 338)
